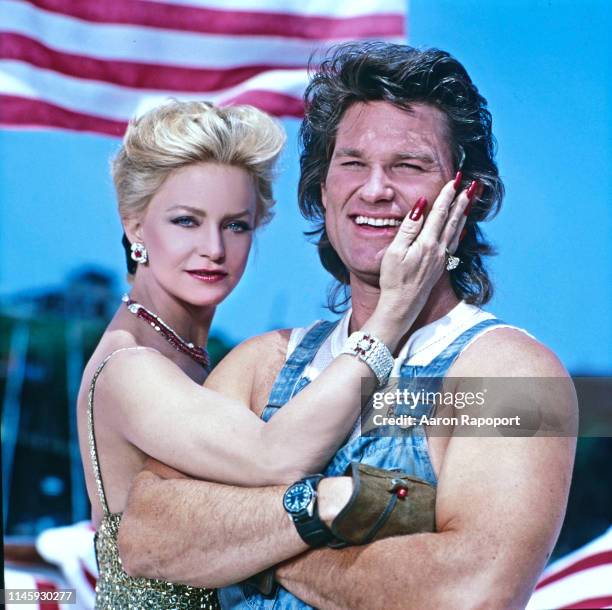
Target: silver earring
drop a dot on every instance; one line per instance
(139, 253)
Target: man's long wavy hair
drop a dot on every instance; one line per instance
(401, 75)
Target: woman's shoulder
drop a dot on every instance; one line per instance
(118, 354)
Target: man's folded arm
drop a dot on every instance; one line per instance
(202, 534)
(487, 553)
(499, 508)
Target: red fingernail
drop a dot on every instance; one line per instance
(471, 192)
(463, 234)
(417, 210)
(457, 182)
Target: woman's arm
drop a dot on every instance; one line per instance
(202, 433)
(151, 403)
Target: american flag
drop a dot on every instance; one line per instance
(90, 65)
(582, 579)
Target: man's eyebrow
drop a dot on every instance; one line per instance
(347, 152)
(416, 156)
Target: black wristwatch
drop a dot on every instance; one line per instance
(300, 502)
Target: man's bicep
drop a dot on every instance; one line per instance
(506, 498)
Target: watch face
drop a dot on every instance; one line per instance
(297, 497)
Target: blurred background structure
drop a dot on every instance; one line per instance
(544, 66)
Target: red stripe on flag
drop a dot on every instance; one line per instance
(126, 73)
(48, 586)
(24, 112)
(582, 564)
(229, 23)
(91, 579)
(278, 104)
(593, 602)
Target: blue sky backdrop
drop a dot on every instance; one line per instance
(544, 66)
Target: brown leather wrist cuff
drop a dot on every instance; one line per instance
(384, 503)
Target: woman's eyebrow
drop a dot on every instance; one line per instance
(238, 214)
(188, 208)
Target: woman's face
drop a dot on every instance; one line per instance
(198, 231)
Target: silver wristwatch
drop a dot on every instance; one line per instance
(373, 352)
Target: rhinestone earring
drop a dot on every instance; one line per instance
(139, 253)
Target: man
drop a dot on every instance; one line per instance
(385, 126)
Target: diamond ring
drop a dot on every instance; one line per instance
(452, 262)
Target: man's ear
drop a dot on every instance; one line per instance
(133, 229)
(323, 195)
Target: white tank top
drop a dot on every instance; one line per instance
(421, 348)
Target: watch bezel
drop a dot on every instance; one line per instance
(307, 504)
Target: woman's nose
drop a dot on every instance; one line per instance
(212, 246)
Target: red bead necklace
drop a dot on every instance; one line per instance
(199, 354)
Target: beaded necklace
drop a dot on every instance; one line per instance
(197, 353)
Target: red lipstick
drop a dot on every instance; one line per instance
(205, 275)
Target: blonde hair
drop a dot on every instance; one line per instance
(177, 134)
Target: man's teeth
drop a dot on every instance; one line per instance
(378, 222)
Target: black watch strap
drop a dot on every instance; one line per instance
(311, 528)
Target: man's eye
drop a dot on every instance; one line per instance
(353, 164)
(238, 226)
(185, 221)
(408, 166)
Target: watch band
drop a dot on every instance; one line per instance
(313, 531)
(310, 527)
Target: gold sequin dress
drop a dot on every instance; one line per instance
(115, 589)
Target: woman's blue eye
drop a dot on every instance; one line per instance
(184, 221)
(238, 227)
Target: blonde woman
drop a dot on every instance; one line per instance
(193, 183)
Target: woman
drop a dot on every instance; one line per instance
(193, 182)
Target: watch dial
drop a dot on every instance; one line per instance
(297, 497)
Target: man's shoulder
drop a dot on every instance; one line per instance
(507, 352)
(248, 372)
(272, 343)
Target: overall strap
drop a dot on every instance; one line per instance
(300, 358)
(91, 437)
(440, 365)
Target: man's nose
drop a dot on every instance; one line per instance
(377, 187)
(212, 245)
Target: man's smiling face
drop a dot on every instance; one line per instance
(384, 159)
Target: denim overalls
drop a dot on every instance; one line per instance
(407, 452)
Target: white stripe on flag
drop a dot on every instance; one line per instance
(587, 584)
(121, 103)
(152, 45)
(324, 8)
